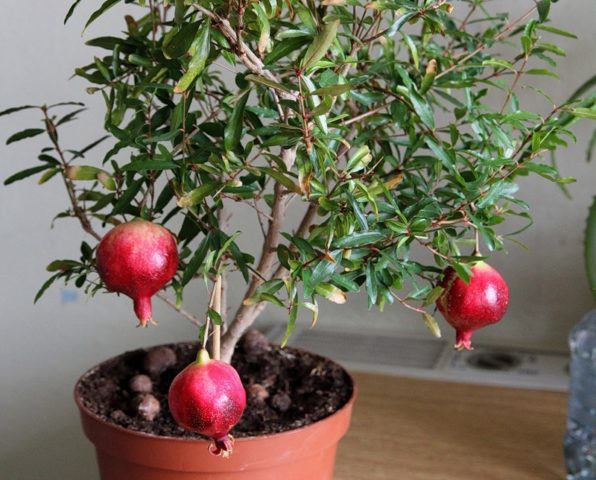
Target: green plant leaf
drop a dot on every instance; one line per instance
(268, 83)
(281, 178)
(23, 134)
(45, 286)
(233, 130)
(8, 111)
(181, 42)
(199, 50)
(333, 90)
(97, 13)
(318, 48)
(583, 112)
(26, 173)
(214, 316)
(71, 10)
(128, 196)
(291, 324)
(143, 165)
(590, 248)
(399, 23)
(423, 109)
(358, 239)
(543, 7)
(197, 260)
(197, 195)
(556, 31)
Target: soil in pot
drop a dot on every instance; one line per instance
(286, 388)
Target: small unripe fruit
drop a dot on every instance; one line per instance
(207, 397)
(470, 306)
(137, 259)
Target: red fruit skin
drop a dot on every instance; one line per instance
(208, 398)
(470, 306)
(137, 259)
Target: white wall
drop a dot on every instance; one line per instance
(46, 347)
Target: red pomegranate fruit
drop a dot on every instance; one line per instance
(207, 397)
(137, 259)
(470, 306)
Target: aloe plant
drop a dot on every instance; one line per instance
(368, 117)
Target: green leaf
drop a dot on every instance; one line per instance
(197, 195)
(433, 296)
(62, 265)
(200, 51)
(269, 287)
(233, 130)
(26, 173)
(591, 145)
(543, 10)
(268, 83)
(45, 286)
(97, 13)
(344, 282)
(358, 239)
(214, 316)
(27, 133)
(399, 23)
(358, 212)
(423, 109)
(197, 260)
(498, 63)
(323, 269)
(496, 191)
(541, 71)
(8, 111)
(181, 42)
(556, 31)
(583, 112)
(127, 197)
(463, 271)
(71, 10)
(48, 175)
(268, 297)
(318, 48)
(279, 177)
(291, 324)
(142, 165)
(333, 90)
(590, 248)
(371, 284)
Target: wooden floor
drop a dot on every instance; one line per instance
(410, 429)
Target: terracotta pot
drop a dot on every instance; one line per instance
(306, 453)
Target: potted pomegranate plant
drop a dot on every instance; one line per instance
(369, 120)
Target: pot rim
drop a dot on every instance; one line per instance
(83, 409)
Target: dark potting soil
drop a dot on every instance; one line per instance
(286, 388)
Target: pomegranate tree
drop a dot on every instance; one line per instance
(320, 118)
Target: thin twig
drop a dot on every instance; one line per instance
(482, 46)
(189, 316)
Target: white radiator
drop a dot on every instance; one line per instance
(432, 358)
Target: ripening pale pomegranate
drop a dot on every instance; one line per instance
(470, 306)
(207, 397)
(137, 259)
